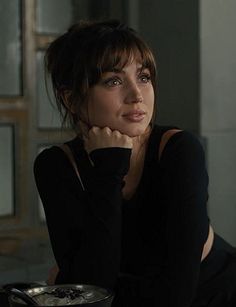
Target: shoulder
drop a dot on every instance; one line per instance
(165, 136)
(183, 145)
(183, 163)
(49, 159)
(49, 155)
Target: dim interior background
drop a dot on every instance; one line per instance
(195, 45)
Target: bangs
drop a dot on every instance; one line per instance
(77, 60)
(120, 51)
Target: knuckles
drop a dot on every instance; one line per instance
(105, 137)
(94, 130)
(117, 133)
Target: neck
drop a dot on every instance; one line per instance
(141, 140)
(139, 147)
(136, 162)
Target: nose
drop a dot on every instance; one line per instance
(133, 94)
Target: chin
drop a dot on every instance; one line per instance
(134, 131)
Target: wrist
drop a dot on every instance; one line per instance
(112, 160)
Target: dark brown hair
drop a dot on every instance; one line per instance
(77, 59)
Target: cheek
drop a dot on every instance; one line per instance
(150, 99)
(150, 104)
(107, 99)
(102, 105)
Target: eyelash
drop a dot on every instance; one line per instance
(146, 76)
(110, 81)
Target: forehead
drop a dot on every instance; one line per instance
(122, 59)
(130, 66)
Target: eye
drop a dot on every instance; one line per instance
(114, 81)
(145, 78)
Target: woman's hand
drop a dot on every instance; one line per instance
(105, 137)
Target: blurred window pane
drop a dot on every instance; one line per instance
(10, 48)
(53, 16)
(7, 170)
(48, 115)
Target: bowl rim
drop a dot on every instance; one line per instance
(110, 294)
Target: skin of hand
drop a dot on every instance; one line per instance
(104, 138)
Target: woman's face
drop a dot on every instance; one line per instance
(123, 100)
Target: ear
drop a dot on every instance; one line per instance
(66, 94)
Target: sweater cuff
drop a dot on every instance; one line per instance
(111, 160)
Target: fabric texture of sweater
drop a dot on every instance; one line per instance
(148, 248)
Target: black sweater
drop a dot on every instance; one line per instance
(157, 237)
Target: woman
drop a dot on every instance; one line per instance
(125, 200)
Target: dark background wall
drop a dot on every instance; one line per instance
(172, 29)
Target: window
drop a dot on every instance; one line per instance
(28, 119)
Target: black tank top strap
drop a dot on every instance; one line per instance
(155, 140)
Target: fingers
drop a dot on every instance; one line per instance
(105, 137)
(106, 131)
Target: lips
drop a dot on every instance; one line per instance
(135, 115)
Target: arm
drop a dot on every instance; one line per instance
(186, 182)
(183, 189)
(164, 139)
(84, 227)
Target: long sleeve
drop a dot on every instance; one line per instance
(186, 184)
(84, 226)
(171, 279)
(185, 194)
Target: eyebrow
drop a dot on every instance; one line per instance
(117, 70)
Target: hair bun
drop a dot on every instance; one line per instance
(79, 25)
